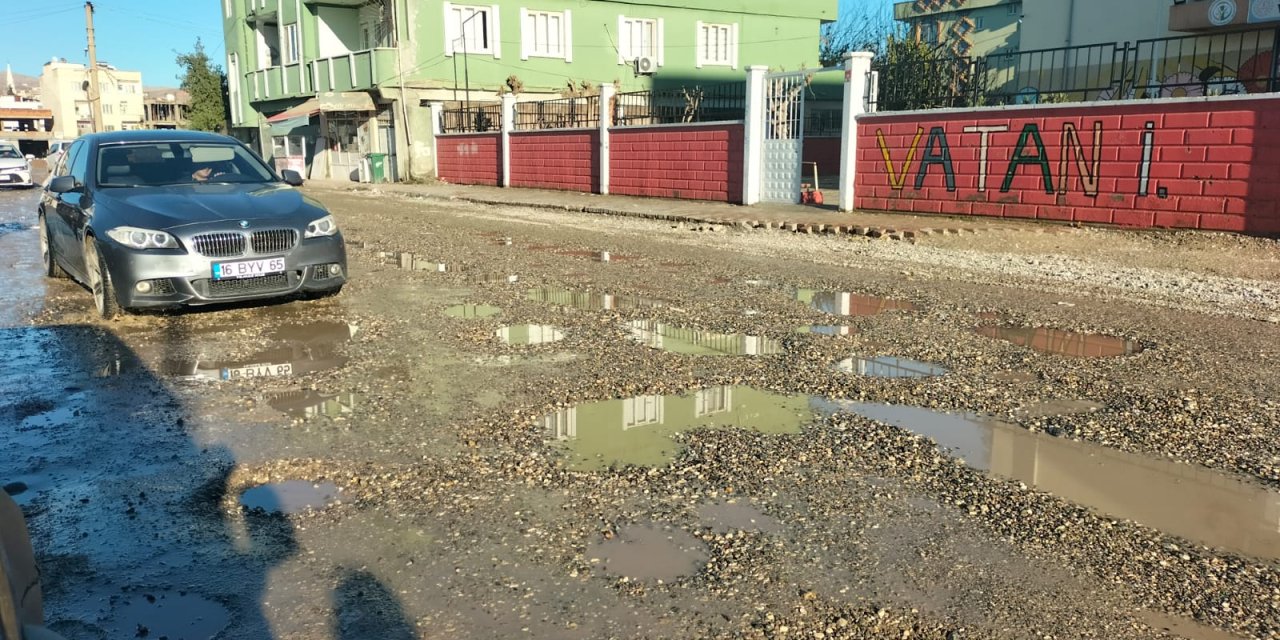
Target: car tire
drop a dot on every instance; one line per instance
(100, 284)
(51, 267)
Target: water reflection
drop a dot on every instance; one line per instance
(649, 552)
(529, 334)
(890, 367)
(657, 335)
(290, 497)
(472, 311)
(311, 404)
(590, 301)
(840, 303)
(1066, 343)
(1181, 499)
(305, 349)
(639, 430)
(828, 330)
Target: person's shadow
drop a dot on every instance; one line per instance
(364, 608)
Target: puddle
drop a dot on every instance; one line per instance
(306, 348)
(590, 301)
(472, 311)
(1183, 627)
(310, 404)
(11, 227)
(657, 335)
(649, 552)
(290, 497)
(1184, 500)
(724, 517)
(529, 334)
(640, 430)
(839, 303)
(173, 615)
(1062, 407)
(599, 255)
(1065, 343)
(890, 367)
(828, 330)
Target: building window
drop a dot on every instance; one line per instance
(717, 45)
(106, 108)
(291, 47)
(471, 29)
(641, 411)
(546, 34)
(124, 107)
(980, 22)
(712, 401)
(1014, 9)
(268, 45)
(638, 38)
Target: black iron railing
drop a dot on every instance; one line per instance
(474, 119)
(562, 113)
(711, 103)
(1195, 65)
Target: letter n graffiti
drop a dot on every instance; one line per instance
(1090, 172)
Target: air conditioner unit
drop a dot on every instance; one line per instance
(646, 65)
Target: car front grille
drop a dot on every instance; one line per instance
(219, 245)
(275, 283)
(274, 240)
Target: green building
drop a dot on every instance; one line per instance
(965, 28)
(316, 85)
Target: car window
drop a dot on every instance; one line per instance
(9, 153)
(167, 163)
(80, 165)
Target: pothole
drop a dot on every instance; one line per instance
(311, 404)
(289, 497)
(890, 367)
(472, 311)
(304, 348)
(842, 303)
(828, 330)
(657, 335)
(589, 301)
(529, 334)
(167, 614)
(648, 552)
(1064, 343)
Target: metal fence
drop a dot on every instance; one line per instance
(712, 103)
(1215, 64)
(475, 119)
(562, 113)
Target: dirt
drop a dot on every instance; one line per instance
(479, 439)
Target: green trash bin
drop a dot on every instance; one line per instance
(377, 167)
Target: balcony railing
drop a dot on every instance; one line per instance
(352, 71)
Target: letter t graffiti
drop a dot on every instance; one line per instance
(986, 132)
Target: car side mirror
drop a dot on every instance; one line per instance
(291, 177)
(63, 184)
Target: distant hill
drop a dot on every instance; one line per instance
(24, 82)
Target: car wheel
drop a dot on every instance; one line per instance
(51, 268)
(104, 292)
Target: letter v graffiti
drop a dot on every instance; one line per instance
(898, 179)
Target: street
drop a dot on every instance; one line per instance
(519, 422)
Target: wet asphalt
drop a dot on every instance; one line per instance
(504, 428)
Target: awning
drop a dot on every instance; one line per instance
(328, 101)
(305, 110)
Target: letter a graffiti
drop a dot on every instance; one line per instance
(942, 156)
(898, 179)
(1029, 132)
(1089, 172)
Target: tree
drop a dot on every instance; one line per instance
(207, 85)
(867, 26)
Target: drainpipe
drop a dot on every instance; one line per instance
(1071, 21)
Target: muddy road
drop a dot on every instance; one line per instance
(495, 431)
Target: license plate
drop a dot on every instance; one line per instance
(247, 268)
(257, 371)
(7, 178)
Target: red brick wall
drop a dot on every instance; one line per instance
(825, 152)
(678, 161)
(1196, 164)
(471, 158)
(565, 160)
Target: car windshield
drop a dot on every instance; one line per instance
(9, 152)
(154, 164)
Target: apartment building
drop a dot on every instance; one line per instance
(64, 91)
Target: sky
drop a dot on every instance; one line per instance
(143, 35)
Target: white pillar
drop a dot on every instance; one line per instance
(607, 91)
(857, 69)
(753, 160)
(437, 115)
(508, 125)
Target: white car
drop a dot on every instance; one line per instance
(15, 168)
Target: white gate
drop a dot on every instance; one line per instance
(783, 136)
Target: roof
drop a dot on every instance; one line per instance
(156, 135)
(19, 113)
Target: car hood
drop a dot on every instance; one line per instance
(13, 163)
(172, 207)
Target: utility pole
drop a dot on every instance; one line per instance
(95, 97)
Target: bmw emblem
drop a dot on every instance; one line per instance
(244, 224)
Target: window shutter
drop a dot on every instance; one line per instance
(495, 35)
(450, 28)
(733, 46)
(700, 37)
(567, 42)
(660, 43)
(527, 30)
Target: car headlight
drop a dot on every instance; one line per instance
(143, 238)
(325, 226)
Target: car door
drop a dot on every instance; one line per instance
(70, 209)
(49, 203)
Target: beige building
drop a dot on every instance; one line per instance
(64, 91)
